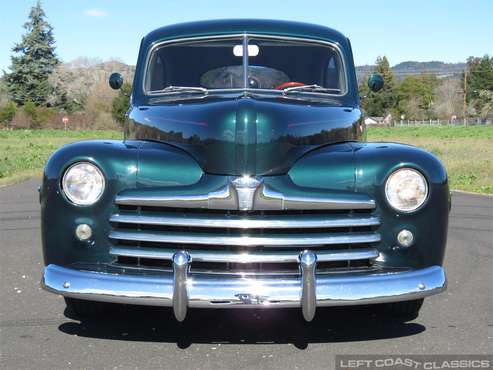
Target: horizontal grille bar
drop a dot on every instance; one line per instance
(253, 257)
(252, 222)
(214, 192)
(247, 241)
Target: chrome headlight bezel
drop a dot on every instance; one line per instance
(95, 194)
(422, 183)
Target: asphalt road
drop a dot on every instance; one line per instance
(35, 333)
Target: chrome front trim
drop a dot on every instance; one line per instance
(221, 256)
(308, 265)
(218, 291)
(264, 198)
(247, 241)
(180, 289)
(245, 187)
(222, 198)
(252, 222)
(268, 199)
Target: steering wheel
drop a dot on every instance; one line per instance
(289, 84)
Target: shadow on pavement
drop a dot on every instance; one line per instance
(242, 326)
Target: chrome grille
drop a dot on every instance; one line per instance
(258, 242)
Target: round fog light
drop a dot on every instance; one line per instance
(405, 238)
(83, 232)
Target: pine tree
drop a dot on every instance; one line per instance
(382, 102)
(33, 61)
(480, 84)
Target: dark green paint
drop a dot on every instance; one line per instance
(115, 81)
(363, 169)
(375, 82)
(299, 148)
(245, 135)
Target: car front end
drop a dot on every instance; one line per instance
(238, 186)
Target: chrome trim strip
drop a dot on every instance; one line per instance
(180, 295)
(308, 265)
(264, 199)
(252, 222)
(247, 241)
(244, 257)
(245, 60)
(222, 198)
(219, 292)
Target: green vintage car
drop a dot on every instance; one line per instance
(244, 180)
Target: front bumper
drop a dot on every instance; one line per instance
(181, 289)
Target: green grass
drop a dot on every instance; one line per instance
(466, 152)
(23, 153)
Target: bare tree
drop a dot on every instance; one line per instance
(448, 98)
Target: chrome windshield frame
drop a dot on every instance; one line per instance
(245, 37)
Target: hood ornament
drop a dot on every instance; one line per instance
(245, 187)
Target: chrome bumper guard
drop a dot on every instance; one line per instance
(182, 289)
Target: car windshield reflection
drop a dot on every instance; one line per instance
(271, 64)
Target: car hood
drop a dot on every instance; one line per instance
(245, 136)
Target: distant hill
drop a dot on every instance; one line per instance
(410, 68)
(100, 71)
(95, 71)
(84, 74)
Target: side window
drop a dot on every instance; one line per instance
(156, 78)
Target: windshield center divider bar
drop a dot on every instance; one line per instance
(245, 61)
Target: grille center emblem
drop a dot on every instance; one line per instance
(245, 187)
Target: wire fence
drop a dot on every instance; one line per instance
(435, 122)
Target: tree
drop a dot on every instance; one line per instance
(380, 103)
(486, 97)
(4, 96)
(7, 113)
(479, 82)
(121, 103)
(415, 96)
(448, 98)
(33, 61)
(33, 114)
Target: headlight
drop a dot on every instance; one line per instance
(83, 183)
(406, 190)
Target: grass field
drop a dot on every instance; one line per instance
(467, 152)
(23, 153)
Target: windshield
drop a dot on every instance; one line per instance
(270, 64)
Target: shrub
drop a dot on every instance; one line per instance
(32, 113)
(121, 103)
(39, 116)
(7, 113)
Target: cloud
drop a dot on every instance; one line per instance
(95, 13)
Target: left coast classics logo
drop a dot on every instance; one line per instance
(245, 187)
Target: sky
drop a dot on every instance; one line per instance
(419, 30)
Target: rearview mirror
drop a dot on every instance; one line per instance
(116, 81)
(375, 82)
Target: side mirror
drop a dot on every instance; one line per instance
(375, 82)
(116, 81)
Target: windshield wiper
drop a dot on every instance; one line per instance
(310, 88)
(180, 89)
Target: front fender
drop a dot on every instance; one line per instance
(125, 165)
(364, 168)
(374, 162)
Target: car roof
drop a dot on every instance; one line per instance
(237, 26)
